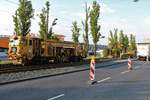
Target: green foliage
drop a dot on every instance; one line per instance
(50, 33)
(16, 24)
(106, 52)
(132, 46)
(124, 55)
(121, 41)
(132, 42)
(114, 43)
(126, 43)
(53, 37)
(95, 28)
(47, 17)
(45, 31)
(22, 17)
(86, 30)
(44, 20)
(121, 46)
(42, 24)
(75, 32)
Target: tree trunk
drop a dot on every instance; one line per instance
(95, 47)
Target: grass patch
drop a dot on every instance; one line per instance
(97, 58)
(5, 62)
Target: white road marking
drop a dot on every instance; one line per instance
(56, 97)
(104, 79)
(129, 70)
(124, 72)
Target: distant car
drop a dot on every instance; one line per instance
(3, 56)
(90, 53)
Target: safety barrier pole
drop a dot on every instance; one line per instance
(129, 64)
(92, 70)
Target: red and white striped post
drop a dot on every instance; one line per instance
(129, 63)
(92, 70)
(147, 58)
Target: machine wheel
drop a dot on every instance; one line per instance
(24, 62)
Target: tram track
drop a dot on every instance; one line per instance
(10, 68)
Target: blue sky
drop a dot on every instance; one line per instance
(125, 15)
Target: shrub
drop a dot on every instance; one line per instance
(106, 52)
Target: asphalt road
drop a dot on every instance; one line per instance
(113, 83)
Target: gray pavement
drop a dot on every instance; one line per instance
(114, 83)
(21, 76)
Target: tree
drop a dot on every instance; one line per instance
(45, 31)
(22, 17)
(17, 31)
(42, 24)
(132, 46)
(75, 35)
(111, 41)
(75, 32)
(47, 16)
(121, 41)
(51, 34)
(106, 52)
(114, 43)
(119, 46)
(95, 28)
(126, 43)
(86, 30)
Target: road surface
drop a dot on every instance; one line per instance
(113, 83)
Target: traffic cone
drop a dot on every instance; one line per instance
(129, 64)
(92, 71)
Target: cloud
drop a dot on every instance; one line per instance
(64, 12)
(6, 25)
(121, 24)
(147, 21)
(78, 15)
(106, 9)
(140, 29)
